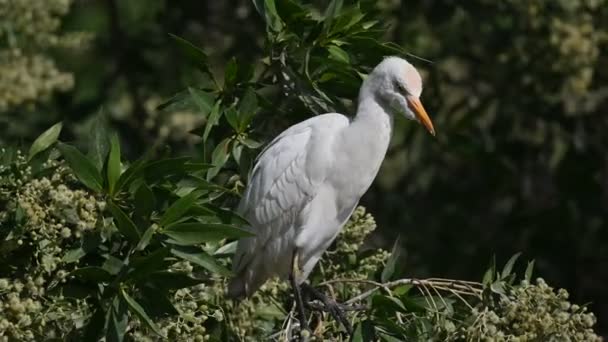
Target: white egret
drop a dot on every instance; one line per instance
(307, 181)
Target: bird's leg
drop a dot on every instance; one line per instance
(295, 271)
(335, 309)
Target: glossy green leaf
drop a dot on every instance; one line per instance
(529, 271)
(73, 255)
(145, 238)
(124, 223)
(45, 140)
(194, 54)
(153, 262)
(114, 167)
(98, 142)
(133, 172)
(92, 273)
(333, 9)
(201, 258)
(145, 202)
(338, 54)
(164, 168)
(82, 167)
(230, 74)
(364, 332)
(391, 264)
(195, 233)
(248, 106)
(118, 320)
(232, 118)
(113, 265)
(203, 100)
(179, 208)
(165, 280)
(212, 120)
(508, 268)
(251, 143)
(95, 326)
(139, 311)
(219, 157)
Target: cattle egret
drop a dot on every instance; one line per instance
(307, 181)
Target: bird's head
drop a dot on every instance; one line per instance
(397, 85)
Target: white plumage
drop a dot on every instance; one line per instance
(307, 181)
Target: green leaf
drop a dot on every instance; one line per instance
(92, 274)
(99, 144)
(250, 143)
(95, 325)
(232, 118)
(113, 163)
(506, 271)
(230, 73)
(145, 239)
(237, 152)
(117, 321)
(212, 120)
(145, 202)
(45, 140)
(113, 265)
(124, 224)
(73, 255)
(172, 280)
(164, 168)
(334, 7)
(387, 305)
(204, 101)
(488, 276)
(219, 157)
(153, 262)
(194, 54)
(179, 208)
(82, 167)
(391, 264)
(202, 258)
(195, 233)
(364, 332)
(134, 171)
(156, 303)
(139, 311)
(248, 106)
(268, 11)
(529, 270)
(338, 54)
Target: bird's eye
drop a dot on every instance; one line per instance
(400, 87)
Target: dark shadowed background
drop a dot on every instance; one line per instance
(517, 89)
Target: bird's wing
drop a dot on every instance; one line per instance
(284, 179)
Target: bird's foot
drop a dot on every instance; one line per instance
(329, 305)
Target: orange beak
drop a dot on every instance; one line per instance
(416, 107)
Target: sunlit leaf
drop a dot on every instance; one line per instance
(45, 140)
(82, 167)
(195, 233)
(202, 258)
(179, 208)
(139, 311)
(114, 167)
(124, 223)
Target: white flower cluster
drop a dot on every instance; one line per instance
(531, 312)
(45, 218)
(29, 27)
(342, 262)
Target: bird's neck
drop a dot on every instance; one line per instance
(372, 117)
(369, 134)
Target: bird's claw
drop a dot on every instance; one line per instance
(329, 305)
